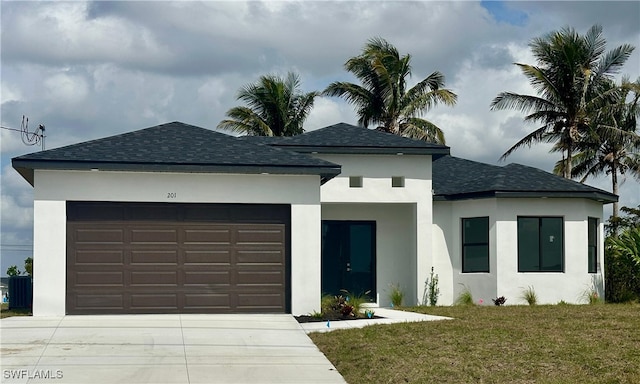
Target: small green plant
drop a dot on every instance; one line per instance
(465, 297)
(529, 295)
(591, 296)
(369, 313)
(356, 300)
(316, 315)
(432, 291)
(13, 271)
(396, 295)
(327, 303)
(562, 302)
(499, 301)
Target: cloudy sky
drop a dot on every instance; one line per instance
(87, 70)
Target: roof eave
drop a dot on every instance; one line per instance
(603, 197)
(435, 152)
(26, 168)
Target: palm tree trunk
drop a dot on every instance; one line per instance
(567, 167)
(614, 182)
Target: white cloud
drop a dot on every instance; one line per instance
(90, 70)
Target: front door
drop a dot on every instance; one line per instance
(349, 257)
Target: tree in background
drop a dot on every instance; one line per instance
(570, 79)
(383, 99)
(622, 264)
(612, 145)
(275, 107)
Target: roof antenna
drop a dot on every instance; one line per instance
(32, 138)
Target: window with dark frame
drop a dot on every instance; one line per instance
(475, 244)
(592, 253)
(540, 244)
(355, 181)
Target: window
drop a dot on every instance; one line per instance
(540, 244)
(592, 253)
(355, 181)
(475, 244)
(397, 181)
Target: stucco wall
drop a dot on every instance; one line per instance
(504, 278)
(376, 172)
(54, 188)
(395, 244)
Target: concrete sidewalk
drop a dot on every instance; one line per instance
(389, 316)
(161, 349)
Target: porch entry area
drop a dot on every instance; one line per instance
(349, 257)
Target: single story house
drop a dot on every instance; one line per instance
(181, 219)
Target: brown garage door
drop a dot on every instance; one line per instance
(176, 258)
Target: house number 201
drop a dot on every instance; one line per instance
(171, 195)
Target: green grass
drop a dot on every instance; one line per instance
(489, 344)
(5, 312)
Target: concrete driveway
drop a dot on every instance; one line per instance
(161, 349)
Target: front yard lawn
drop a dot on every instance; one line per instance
(488, 344)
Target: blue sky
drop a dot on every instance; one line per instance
(503, 12)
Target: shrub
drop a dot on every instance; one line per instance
(465, 297)
(356, 300)
(432, 291)
(529, 295)
(396, 295)
(622, 266)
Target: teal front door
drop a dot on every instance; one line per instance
(349, 257)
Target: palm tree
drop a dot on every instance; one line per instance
(570, 76)
(275, 107)
(612, 147)
(383, 98)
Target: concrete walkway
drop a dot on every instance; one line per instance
(161, 349)
(390, 316)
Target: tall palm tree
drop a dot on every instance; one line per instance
(275, 107)
(612, 146)
(569, 80)
(383, 98)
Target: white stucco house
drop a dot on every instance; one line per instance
(181, 219)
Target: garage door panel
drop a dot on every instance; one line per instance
(260, 257)
(99, 302)
(154, 236)
(207, 278)
(98, 257)
(260, 235)
(99, 278)
(99, 235)
(262, 301)
(165, 301)
(152, 258)
(220, 301)
(208, 257)
(168, 265)
(154, 278)
(260, 278)
(219, 236)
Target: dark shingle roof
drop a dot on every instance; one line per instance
(347, 138)
(456, 179)
(175, 147)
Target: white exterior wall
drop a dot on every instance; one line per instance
(504, 278)
(551, 287)
(403, 215)
(54, 188)
(395, 244)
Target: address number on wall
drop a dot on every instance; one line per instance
(171, 195)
